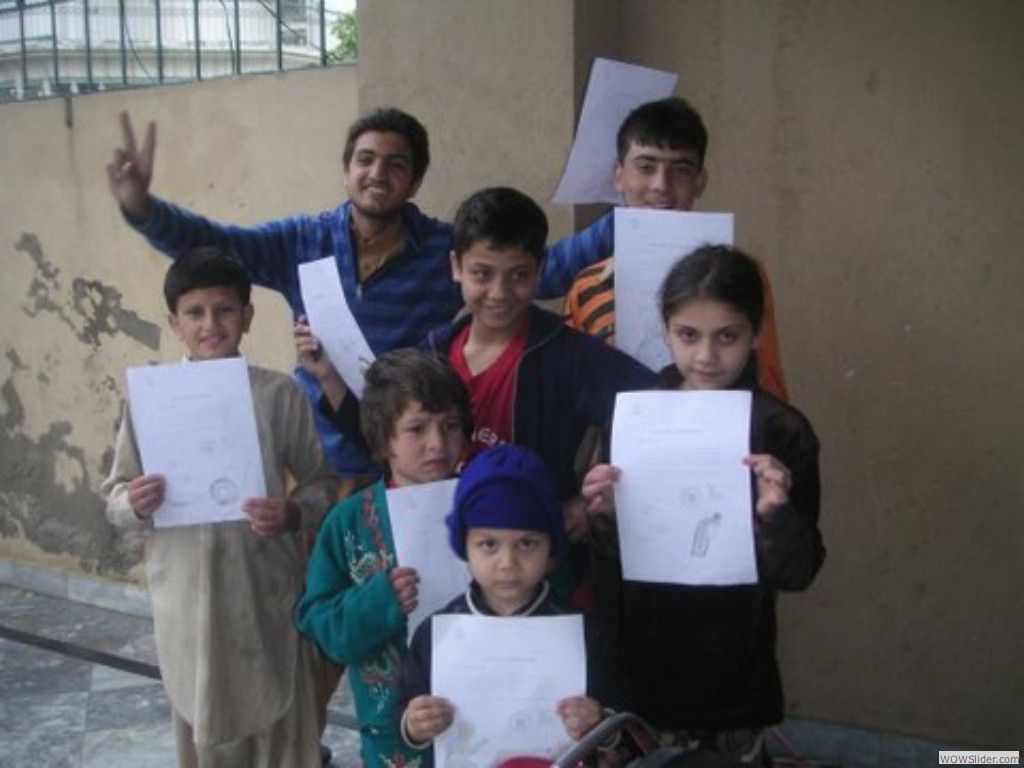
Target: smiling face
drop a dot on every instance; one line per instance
(498, 285)
(379, 177)
(425, 446)
(508, 564)
(210, 322)
(710, 341)
(660, 177)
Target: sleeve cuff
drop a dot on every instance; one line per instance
(408, 740)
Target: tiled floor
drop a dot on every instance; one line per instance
(59, 710)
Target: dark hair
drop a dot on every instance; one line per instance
(391, 120)
(404, 376)
(503, 216)
(206, 267)
(715, 272)
(670, 122)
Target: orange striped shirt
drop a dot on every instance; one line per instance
(590, 308)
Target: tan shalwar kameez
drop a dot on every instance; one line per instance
(239, 676)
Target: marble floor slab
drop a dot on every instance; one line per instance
(59, 710)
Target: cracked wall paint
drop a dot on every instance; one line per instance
(49, 479)
(48, 495)
(93, 310)
(81, 293)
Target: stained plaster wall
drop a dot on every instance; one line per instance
(82, 293)
(872, 153)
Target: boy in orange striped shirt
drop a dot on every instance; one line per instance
(661, 147)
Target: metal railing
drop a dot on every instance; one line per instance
(57, 47)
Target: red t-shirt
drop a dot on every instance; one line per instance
(491, 392)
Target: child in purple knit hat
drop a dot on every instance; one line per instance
(507, 523)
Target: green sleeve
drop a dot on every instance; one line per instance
(349, 622)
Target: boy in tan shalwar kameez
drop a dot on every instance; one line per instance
(239, 676)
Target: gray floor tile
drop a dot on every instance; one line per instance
(150, 746)
(58, 711)
(42, 730)
(110, 679)
(141, 706)
(27, 670)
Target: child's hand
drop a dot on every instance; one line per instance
(598, 489)
(427, 717)
(311, 357)
(579, 714)
(575, 513)
(145, 494)
(131, 169)
(404, 582)
(773, 483)
(270, 517)
(309, 350)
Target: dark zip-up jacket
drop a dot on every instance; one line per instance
(703, 658)
(566, 382)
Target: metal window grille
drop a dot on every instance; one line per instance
(59, 47)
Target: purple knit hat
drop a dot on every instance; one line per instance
(507, 486)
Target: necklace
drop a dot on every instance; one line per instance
(373, 251)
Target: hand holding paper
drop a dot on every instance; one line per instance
(271, 517)
(599, 489)
(773, 483)
(404, 582)
(427, 717)
(331, 319)
(310, 354)
(145, 495)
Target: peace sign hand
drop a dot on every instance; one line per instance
(131, 170)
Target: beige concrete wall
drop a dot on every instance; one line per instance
(872, 153)
(492, 82)
(82, 293)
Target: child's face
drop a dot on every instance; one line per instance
(659, 177)
(508, 565)
(498, 285)
(379, 176)
(424, 446)
(210, 322)
(710, 342)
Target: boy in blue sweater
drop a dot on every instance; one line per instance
(415, 421)
(392, 259)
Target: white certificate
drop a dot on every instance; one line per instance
(417, 515)
(505, 676)
(333, 323)
(615, 89)
(683, 501)
(195, 425)
(647, 243)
